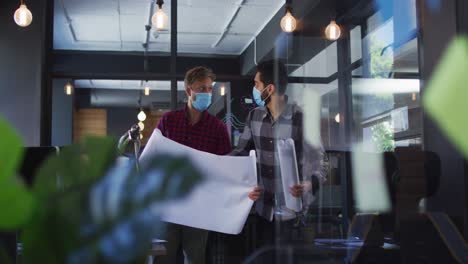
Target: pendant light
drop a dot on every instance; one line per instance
(222, 90)
(147, 89)
(68, 88)
(337, 118)
(288, 22)
(160, 20)
(333, 31)
(141, 116)
(141, 125)
(23, 17)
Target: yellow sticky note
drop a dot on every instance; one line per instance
(446, 96)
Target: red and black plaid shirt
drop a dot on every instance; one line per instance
(209, 134)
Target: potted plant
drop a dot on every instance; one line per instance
(82, 207)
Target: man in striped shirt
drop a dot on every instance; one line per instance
(273, 120)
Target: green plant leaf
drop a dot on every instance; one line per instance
(124, 215)
(101, 213)
(4, 256)
(16, 203)
(61, 185)
(41, 237)
(79, 164)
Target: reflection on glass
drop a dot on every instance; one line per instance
(386, 95)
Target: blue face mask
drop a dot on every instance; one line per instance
(202, 101)
(257, 96)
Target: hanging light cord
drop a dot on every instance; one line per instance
(139, 100)
(160, 3)
(288, 6)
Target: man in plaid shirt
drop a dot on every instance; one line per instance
(194, 127)
(273, 120)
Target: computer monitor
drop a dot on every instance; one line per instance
(33, 158)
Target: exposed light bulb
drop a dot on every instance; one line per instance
(23, 17)
(147, 90)
(141, 125)
(223, 91)
(413, 96)
(288, 22)
(337, 118)
(141, 116)
(68, 88)
(141, 136)
(333, 31)
(160, 20)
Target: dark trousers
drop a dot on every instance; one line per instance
(192, 240)
(270, 237)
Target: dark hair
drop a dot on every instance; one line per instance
(274, 72)
(198, 73)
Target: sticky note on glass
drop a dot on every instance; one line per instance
(446, 96)
(369, 184)
(312, 112)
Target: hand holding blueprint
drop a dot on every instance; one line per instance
(289, 172)
(220, 203)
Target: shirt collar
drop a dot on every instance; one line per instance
(287, 113)
(204, 115)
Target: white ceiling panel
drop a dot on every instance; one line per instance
(207, 3)
(249, 18)
(91, 7)
(133, 27)
(160, 37)
(196, 40)
(203, 19)
(116, 84)
(96, 28)
(137, 8)
(131, 84)
(160, 47)
(119, 25)
(127, 85)
(233, 44)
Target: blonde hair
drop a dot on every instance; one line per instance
(198, 73)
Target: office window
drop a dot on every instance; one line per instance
(386, 107)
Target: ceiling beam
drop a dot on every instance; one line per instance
(308, 40)
(117, 65)
(229, 23)
(69, 21)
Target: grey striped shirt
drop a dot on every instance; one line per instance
(261, 133)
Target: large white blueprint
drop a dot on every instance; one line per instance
(289, 172)
(220, 203)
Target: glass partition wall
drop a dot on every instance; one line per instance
(353, 111)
